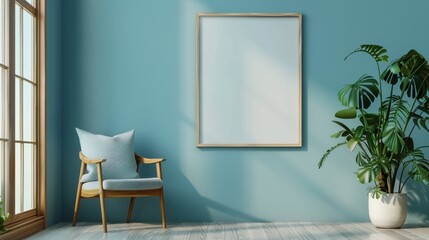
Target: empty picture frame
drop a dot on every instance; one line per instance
(248, 71)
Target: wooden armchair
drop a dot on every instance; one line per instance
(132, 188)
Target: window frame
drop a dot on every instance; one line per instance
(29, 222)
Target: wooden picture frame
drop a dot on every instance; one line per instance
(248, 72)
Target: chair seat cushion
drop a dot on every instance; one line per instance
(126, 184)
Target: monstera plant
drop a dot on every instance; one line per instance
(382, 113)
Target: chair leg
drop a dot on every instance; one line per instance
(161, 198)
(100, 186)
(76, 206)
(103, 213)
(78, 194)
(130, 209)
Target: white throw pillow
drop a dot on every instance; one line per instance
(117, 150)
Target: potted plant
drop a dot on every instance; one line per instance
(387, 110)
(3, 218)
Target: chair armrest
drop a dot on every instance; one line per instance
(90, 161)
(144, 160)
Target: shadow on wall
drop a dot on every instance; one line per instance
(418, 199)
(185, 201)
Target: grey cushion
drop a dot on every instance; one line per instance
(126, 184)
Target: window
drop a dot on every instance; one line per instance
(22, 127)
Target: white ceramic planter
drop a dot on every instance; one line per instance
(389, 211)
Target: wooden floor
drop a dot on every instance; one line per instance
(230, 231)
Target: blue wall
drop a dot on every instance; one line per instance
(54, 102)
(131, 65)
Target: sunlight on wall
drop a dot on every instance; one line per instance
(273, 100)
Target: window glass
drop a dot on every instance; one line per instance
(28, 111)
(28, 178)
(27, 45)
(18, 182)
(2, 21)
(18, 109)
(18, 40)
(2, 107)
(32, 2)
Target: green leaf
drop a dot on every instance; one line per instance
(415, 69)
(397, 111)
(347, 129)
(420, 172)
(359, 159)
(382, 163)
(366, 174)
(393, 137)
(359, 94)
(396, 108)
(420, 115)
(322, 160)
(377, 52)
(423, 105)
(370, 121)
(352, 143)
(414, 156)
(370, 118)
(423, 123)
(358, 133)
(338, 134)
(349, 113)
(375, 192)
(394, 68)
(409, 143)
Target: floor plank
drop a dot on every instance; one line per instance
(214, 231)
(231, 231)
(419, 231)
(319, 234)
(189, 231)
(334, 231)
(389, 233)
(271, 231)
(255, 231)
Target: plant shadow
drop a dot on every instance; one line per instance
(418, 207)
